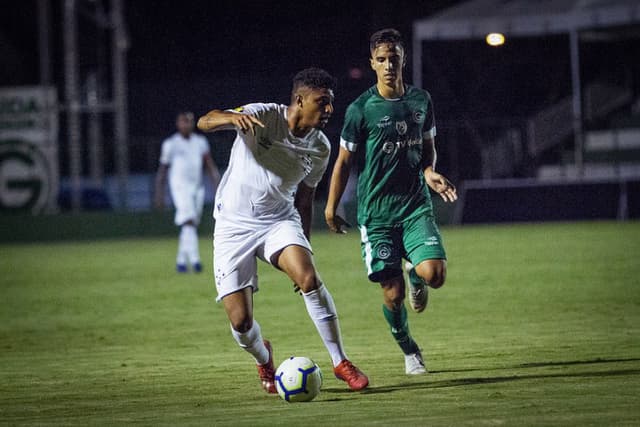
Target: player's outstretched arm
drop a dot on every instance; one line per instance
(339, 178)
(218, 120)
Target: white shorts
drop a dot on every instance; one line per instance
(236, 249)
(188, 205)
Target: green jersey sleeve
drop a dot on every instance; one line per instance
(353, 130)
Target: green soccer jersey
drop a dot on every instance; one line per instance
(391, 186)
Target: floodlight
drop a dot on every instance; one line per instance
(495, 39)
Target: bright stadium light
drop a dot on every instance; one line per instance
(495, 39)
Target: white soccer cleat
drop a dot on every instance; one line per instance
(418, 291)
(414, 364)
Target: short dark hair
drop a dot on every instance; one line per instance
(315, 78)
(386, 35)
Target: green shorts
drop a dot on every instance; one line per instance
(384, 246)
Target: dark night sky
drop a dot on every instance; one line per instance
(199, 54)
(203, 54)
(225, 53)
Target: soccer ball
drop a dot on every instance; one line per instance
(298, 379)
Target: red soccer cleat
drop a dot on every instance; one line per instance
(353, 376)
(267, 372)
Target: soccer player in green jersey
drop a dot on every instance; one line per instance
(394, 124)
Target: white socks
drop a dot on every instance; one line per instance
(252, 342)
(322, 311)
(188, 246)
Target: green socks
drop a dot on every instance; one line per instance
(397, 320)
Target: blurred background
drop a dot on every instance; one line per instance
(542, 125)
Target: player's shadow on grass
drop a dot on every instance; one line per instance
(540, 365)
(427, 382)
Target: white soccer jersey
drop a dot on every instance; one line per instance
(184, 158)
(265, 169)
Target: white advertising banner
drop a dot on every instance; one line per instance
(29, 172)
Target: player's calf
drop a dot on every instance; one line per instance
(418, 291)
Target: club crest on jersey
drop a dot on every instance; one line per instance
(418, 116)
(388, 147)
(384, 122)
(401, 127)
(384, 251)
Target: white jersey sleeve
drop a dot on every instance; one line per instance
(165, 152)
(320, 163)
(204, 144)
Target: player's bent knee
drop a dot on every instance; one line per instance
(438, 278)
(242, 325)
(433, 273)
(437, 281)
(309, 282)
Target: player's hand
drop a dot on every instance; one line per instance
(336, 223)
(246, 123)
(441, 185)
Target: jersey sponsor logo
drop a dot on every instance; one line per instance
(391, 146)
(384, 251)
(419, 116)
(401, 127)
(384, 122)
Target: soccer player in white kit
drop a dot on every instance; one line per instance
(263, 210)
(183, 155)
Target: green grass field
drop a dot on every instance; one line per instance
(537, 325)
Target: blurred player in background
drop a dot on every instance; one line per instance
(184, 155)
(394, 124)
(263, 210)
